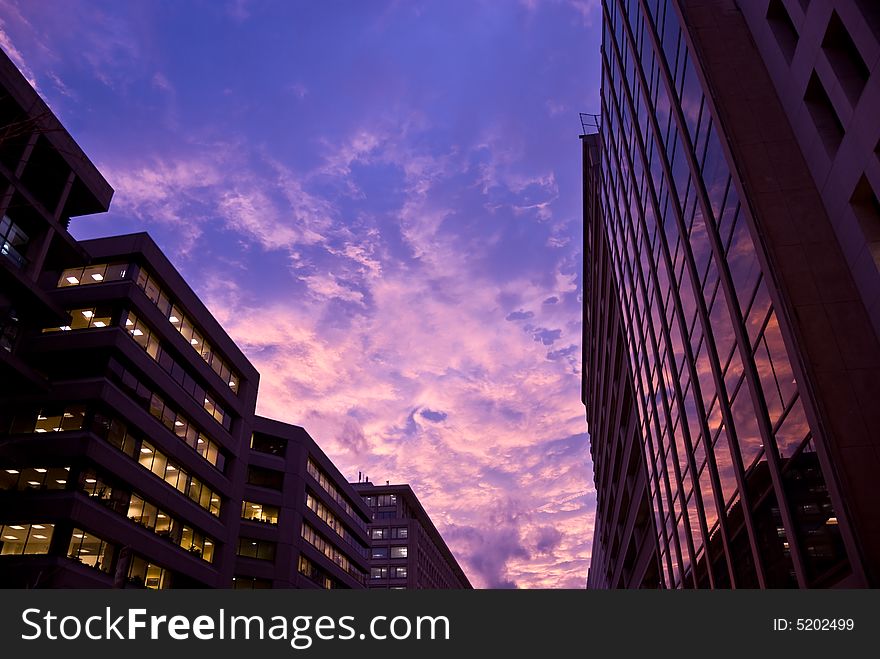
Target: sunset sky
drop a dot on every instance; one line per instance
(381, 203)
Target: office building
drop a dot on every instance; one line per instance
(302, 525)
(731, 228)
(406, 550)
(130, 451)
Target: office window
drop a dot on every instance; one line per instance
(34, 478)
(398, 552)
(399, 532)
(25, 538)
(259, 512)
(197, 543)
(89, 318)
(379, 552)
(253, 548)
(269, 478)
(56, 418)
(90, 550)
(267, 444)
(400, 573)
(93, 274)
(379, 534)
(379, 572)
(184, 326)
(149, 575)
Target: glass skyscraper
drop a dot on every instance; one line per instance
(729, 352)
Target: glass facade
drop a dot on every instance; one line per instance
(736, 489)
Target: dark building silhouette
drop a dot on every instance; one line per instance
(406, 550)
(130, 452)
(731, 355)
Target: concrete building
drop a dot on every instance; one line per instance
(731, 215)
(130, 452)
(406, 550)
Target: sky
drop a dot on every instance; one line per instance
(381, 202)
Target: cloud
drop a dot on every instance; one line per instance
(431, 415)
(546, 336)
(519, 315)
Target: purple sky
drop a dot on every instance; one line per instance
(381, 203)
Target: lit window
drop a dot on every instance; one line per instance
(25, 539)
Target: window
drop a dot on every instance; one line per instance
(333, 522)
(25, 538)
(34, 478)
(259, 549)
(399, 532)
(182, 324)
(90, 318)
(57, 418)
(328, 486)
(316, 574)
(259, 512)
(148, 575)
(268, 478)
(93, 274)
(149, 341)
(250, 583)
(379, 552)
(268, 444)
(379, 572)
(152, 459)
(398, 552)
(330, 551)
(90, 550)
(379, 534)
(400, 573)
(13, 242)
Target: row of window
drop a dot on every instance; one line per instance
(34, 478)
(330, 551)
(25, 538)
(385, 533)
(331, 520)
(93, 274)
(381, 500)
(328, 486)
(88, 318)
(390, 552)
(149, 341)
(151, 458)
(144, 513)
(84, 547)
(384, 572)
(72, 417)
(187, 329)
(176, 422)
(254, 548)
(315, 573)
